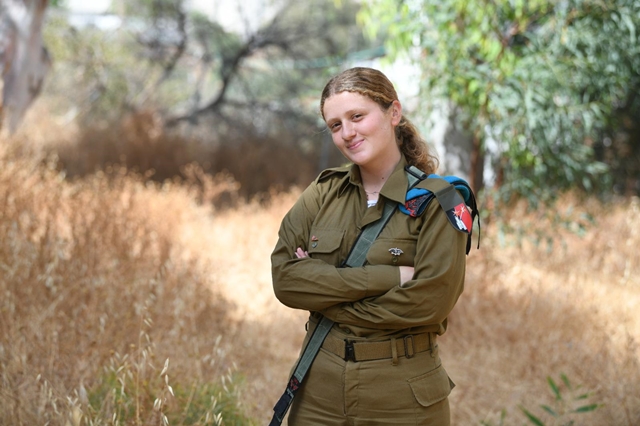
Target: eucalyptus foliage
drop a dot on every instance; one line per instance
(549, 81)
(165, 56)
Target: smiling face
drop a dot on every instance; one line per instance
(362, 130)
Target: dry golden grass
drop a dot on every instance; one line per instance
(97, 279)
(103, 278)
(525, 314)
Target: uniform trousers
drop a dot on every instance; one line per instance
(337, 392)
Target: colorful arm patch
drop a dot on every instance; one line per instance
(453, 204)
(460, 218)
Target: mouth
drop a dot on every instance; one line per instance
(355, 144)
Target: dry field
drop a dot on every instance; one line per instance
(104, 278)
(525, 315)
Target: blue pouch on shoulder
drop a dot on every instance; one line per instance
(418, 199)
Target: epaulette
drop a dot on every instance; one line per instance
(332, 171)
(454, 196)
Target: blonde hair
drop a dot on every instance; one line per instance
(377, 87)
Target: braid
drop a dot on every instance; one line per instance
(377, 87)
(415, 148)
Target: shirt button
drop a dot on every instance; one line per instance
(314, 245)
(346, 330)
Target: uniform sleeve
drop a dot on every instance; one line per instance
(312, 284)
(432, 293)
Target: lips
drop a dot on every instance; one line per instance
(355, 145)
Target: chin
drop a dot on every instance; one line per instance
(359, 159)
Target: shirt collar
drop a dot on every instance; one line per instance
(394, 189)
(351, 178)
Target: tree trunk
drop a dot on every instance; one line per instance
(24, 61)
(476, 174)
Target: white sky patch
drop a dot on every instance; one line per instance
(243, 17)
(85, 6)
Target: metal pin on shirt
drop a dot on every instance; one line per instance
(395, 252)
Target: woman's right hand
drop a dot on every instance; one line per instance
(301, 254)
(406, 274)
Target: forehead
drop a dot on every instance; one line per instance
(344, 102)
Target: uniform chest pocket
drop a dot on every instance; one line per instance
(324, 244)
(392, 251)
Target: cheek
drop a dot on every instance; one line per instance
(386, 125)
(337, 140)
(372, 126)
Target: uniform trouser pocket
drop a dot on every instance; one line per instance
(386, 394)
(431, 387)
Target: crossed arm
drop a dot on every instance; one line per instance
(376, 296)
(406, 272)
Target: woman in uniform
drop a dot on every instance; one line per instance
(379, 364)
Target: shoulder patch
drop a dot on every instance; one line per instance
(460, 218)
(454, 206)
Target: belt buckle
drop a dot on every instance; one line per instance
(349, 351)
(408, 343)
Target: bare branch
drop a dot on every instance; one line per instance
(180, 48)
(229, 69)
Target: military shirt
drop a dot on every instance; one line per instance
(368, 302)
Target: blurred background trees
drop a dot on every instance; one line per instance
(543, 96)
(546, 91)
(157, 84)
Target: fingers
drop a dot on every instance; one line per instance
(406, 274)
(300, 254)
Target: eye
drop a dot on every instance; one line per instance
(356, 116)
(334, 126)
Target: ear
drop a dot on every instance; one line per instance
(396, 113)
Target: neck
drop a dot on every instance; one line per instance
(374, 178)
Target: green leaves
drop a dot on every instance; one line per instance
(564, 407)
(546, 79)
(533, 419)
(554, 387)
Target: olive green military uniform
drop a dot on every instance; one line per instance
(397, 377)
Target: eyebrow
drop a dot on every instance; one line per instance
(348, 112)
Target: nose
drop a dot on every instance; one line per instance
(348, 132)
